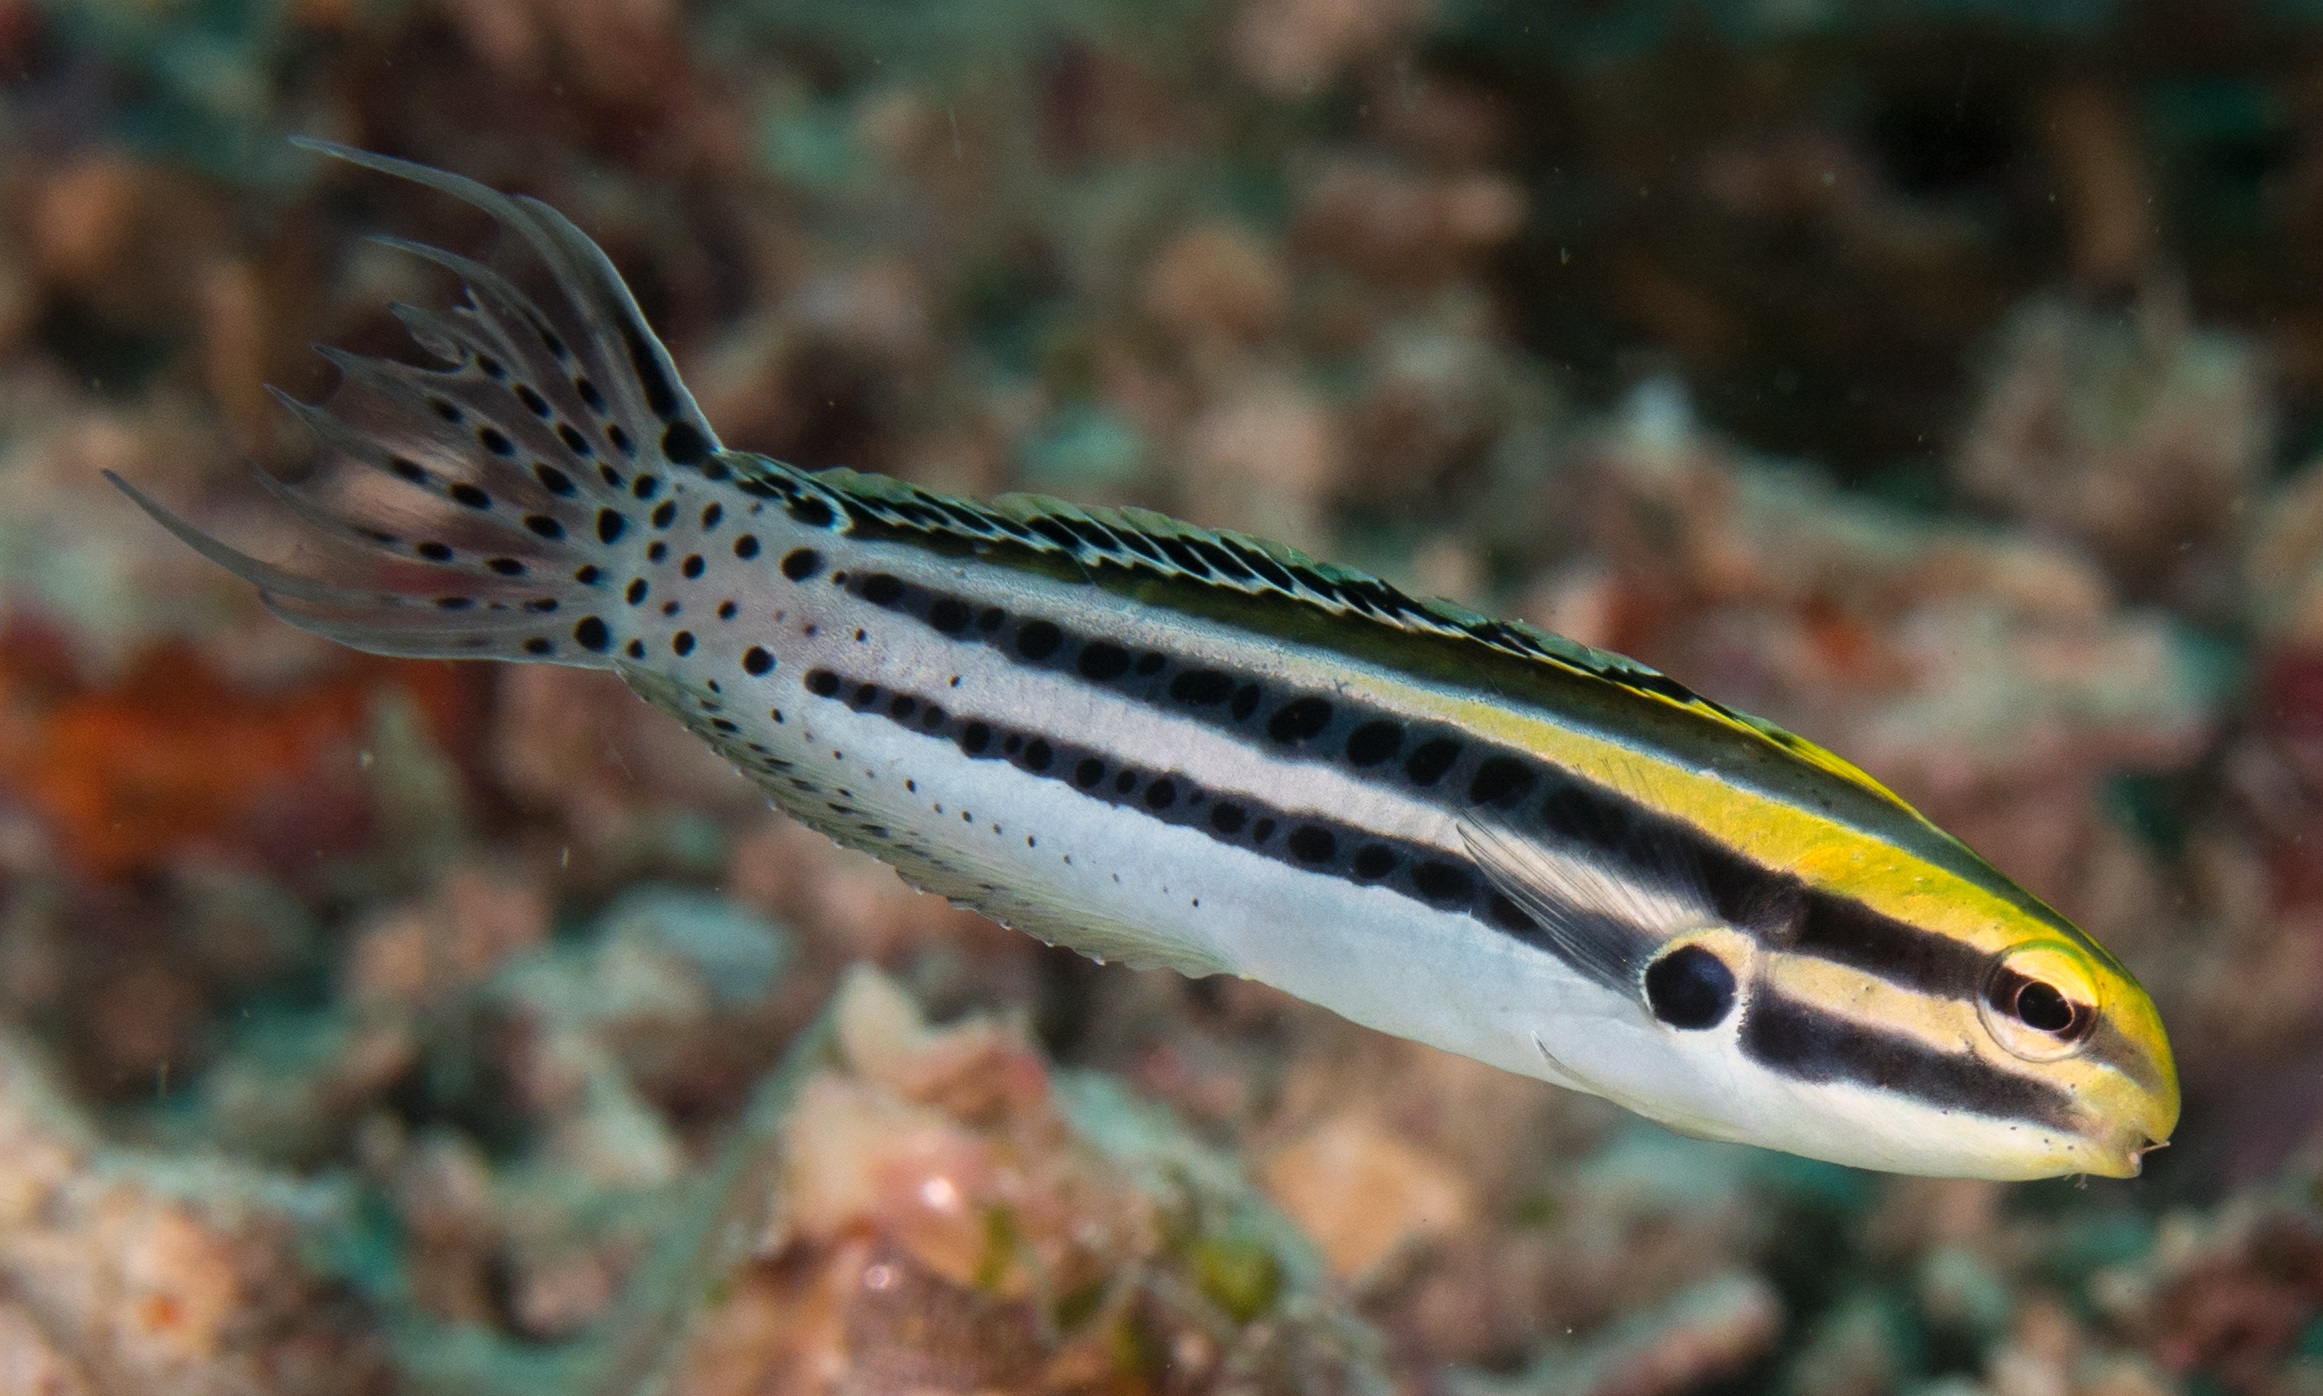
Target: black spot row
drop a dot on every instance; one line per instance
(1308, 724)
(1319, 845)
(1448, 767)
(1208, 558)
(497, 442)
(1201, 557)
(1641, 842)
(1093, 540)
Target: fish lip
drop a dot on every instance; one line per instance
(2127, 1160)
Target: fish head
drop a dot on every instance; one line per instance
(2051, 1061)
(2062, 1010)
(1904, 1016)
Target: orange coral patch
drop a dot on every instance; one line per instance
(171, 754)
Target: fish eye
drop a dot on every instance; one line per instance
(2040, 1001)
(2042, 1007)
(1690, 988)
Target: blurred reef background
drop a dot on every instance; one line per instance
(1942, 379)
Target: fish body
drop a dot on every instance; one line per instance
(1169, 746)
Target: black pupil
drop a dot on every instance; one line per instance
(1690, 988)
(2040, 1006)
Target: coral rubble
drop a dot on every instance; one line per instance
(1938, 380)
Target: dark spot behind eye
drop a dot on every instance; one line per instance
(1690, 988)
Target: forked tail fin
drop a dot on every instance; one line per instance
(480, 508)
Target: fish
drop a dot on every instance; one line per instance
(1171, 746)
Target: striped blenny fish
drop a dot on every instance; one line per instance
(1169, 746)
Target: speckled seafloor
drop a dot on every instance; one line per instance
(1943, 383)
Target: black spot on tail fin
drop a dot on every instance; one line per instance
(447, 611)
(591, 327)
(462, 506)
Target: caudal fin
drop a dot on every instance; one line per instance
(483, 507)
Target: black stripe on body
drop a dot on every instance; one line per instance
(1444, 767)
(1638, 843)
(1783, 1034)
(1798, 1040)
(1357, 615)
(1305, 841)
(1852, 934)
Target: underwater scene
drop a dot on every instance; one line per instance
(1180, 478)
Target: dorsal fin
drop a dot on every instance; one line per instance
(1145, 541)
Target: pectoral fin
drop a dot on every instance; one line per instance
(1603, 920)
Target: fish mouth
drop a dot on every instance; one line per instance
(2125, 1159)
